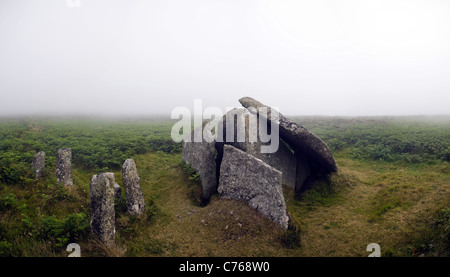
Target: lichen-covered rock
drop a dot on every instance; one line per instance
(247, 178)
(314, 159)
(117, 191)
(282, 159)
(133, 191)
(298, 137)
(64, 167)
(202, 157)
(38, 164)
(102, 207)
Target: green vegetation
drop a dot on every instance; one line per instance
(96, 144)
(194, 185)
(392, 188)
(408, 139)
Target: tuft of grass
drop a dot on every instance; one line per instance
(152, 210)
(195, 192)
(120, 204)
(394, 196)
(325, 192)
(432, 237)
(95, 248)
(290, 238)
(5, 249)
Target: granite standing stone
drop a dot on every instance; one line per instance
(64, 167)
(117, 191)
(38, 164)
(102, 206)
(202, 157)
(133, 191)
(247, 178)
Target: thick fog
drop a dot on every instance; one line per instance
(133, 57)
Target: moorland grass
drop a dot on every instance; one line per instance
(399, 204)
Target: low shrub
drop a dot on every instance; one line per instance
(74, 227)
(8, 202)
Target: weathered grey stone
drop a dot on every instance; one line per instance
(133, 191)
(247, 178)
(202, 157)
(298, 137)
(314, 159)
(283, 159)
(38, 164)
(64, 167)
(117, 191)
(102, 207)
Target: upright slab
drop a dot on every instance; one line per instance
(247, 178)
(64, 167)
(133, 191)
(282, 159)
(102, 207)
(202, 157)
(38, 164)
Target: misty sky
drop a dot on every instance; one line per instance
(134, 57)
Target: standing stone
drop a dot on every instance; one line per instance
(102, 206)
(38, 164)
(202, 157)
(247, 178)
(64, 167)
(133, 191)
(117, 191)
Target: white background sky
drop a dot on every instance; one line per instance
(129, 57)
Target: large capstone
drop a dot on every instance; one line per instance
(201, 156)
(245, 135)
(298, 137)
(64, 167)
(38, 164)
(314, 159)
(247, 178)
(133, 191)
(102, 207)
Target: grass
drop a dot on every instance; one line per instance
(371, 202)
(363, 203)
(404, 207)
